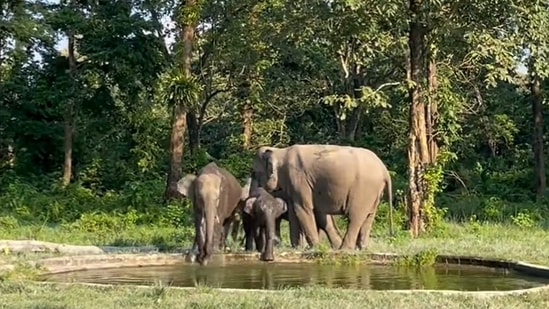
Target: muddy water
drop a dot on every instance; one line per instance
(256, 275)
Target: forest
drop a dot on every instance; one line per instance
(104, 105)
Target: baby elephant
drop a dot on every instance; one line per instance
(264, 209)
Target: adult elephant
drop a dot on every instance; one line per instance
(215, 194)
(324, 222)
(326, 179)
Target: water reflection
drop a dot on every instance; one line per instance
(257, 275)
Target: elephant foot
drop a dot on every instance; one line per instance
(190, 257)
(267, 257)
(346, 250)
(203, 262)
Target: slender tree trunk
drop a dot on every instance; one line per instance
(69, 117)
(348, 128)
(194, 131)
(417, 148)
(356, 115)
(431, 111)
(179, 115)
(352, 124)
(247, 123)
(537, 109)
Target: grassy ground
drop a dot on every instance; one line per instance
(492, 241)
(24, 295)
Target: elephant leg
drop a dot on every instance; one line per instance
(193, 253)
(363, 238)
(248, 225)
(306, 217)
(226, 231)
(235, 228)
(327, 224)
(194, 249)
(259, 239)
(364, 235)
(357, 217)
(295, 228)
(278, 238)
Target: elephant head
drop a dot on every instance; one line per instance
(264, 209)
(265, 169)
(185, 186)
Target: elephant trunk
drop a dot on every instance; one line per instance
(254, 185)
(268, 254)
(210, 210)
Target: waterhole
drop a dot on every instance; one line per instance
(257, 275)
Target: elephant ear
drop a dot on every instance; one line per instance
(246, 189)
(267, 157)
(249, 206)
(283, 205)
(185, 186)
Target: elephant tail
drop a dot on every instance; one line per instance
(389, 186)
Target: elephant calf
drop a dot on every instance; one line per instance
(264, 209)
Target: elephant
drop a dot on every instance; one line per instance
(327, 180)
(324, 222)
(215, 194)
(263, 209)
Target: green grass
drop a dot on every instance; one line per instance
(166, 238)
(28, 295)
(483, 240)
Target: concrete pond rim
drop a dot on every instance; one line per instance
(64, 264)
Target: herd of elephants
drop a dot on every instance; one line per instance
(305, 184)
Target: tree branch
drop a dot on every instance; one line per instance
(386, 85)
(207, 102)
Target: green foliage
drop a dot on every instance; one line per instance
(423, 258)
(311, 72)
(177, 88)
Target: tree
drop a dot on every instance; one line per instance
(183, 91)
(418, 151)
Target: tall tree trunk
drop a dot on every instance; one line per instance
(537, 109)
(247, 123)
(69, 117)
(177, 138)
(418, 154)
(179, 114)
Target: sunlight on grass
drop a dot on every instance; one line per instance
(483, 240)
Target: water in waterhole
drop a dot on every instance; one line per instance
(258, 275)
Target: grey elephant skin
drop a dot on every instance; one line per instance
(329, 180)
(324, 222)
(215, 194)
(264, 209)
